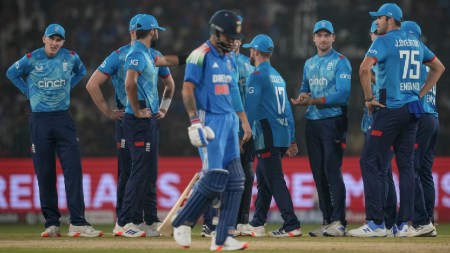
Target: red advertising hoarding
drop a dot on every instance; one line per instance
(19, 190)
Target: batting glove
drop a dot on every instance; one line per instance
(199, 135)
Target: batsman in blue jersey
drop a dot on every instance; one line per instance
(390, 212)
(270, 115)
(46, 76)
(114, 66)
(399, 56)
(425, 147)
(212, 100)
(325, 90)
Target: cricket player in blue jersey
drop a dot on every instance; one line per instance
(46, 76)
(114, 66)
(212, 101)
(426, 141)
(399, 56)
(270, 116)
(390, 212)
(140, 125)
(325, 90)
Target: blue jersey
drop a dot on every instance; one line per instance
(327, 76)
(114, 66)
(429, 100)
(267, 100)
(48, 80)
(367, 119)
(399, 56)
(140, 60)
(163, 72)
(212, 74)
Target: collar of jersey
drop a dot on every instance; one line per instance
(140, 45)
(327, 54)
(263, 65)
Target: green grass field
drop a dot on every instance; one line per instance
(26, 238)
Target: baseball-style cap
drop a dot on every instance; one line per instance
(147, 22)
(389, 10)
(412, 28)
(55, 29)
(373, 27)
(261, 43)
(133, 22)
(323, 25)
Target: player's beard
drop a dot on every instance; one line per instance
(252, 60)
(154, 43)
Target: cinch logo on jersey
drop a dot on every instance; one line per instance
(315, 81)
(276, 79)
(343, 75)
(373, 51)
(51, 83)
(409, 86)
(406, 43)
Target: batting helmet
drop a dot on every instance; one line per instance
(226, 22)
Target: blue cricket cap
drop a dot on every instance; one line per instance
(389, 10)
(55, 29)
(373, 27)
(133, 22)
(412, 28)
(148, 22)
(323, 25)
(261, 43)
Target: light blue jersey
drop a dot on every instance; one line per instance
(163, 72)
(327, 77)
(267, 101)
(429, 100)
(140, 60)
(215, 91)
(404, 54)
(367, 119)
(114, 66)
(48, 80)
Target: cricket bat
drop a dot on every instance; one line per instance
(166, 228)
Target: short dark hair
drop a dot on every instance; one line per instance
(266, 54)
(140, 34)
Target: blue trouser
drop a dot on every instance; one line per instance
(50, 132)
(426, 140)
(247, 159)
(390, 212)
(270, 182)
(123, 165)
(142, 135)
(396, 127)
(325, 142)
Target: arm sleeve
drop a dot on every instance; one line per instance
(343, 82)
(290, 118)
(428, 55)
(253, 98)
(136, 61)
(194, 68)
(110, 65)
(15, 73)
(377, 50)
(305, 84)
(236, 96)
(79, 71)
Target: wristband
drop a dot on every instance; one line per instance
(369, 99)
(165, 103)
(195, 119)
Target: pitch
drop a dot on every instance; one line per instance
(26, 238)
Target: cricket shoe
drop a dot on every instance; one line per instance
(229, 244)
(392, 232)
(421, 230)
(239, 229)
(150, 230)
(369, 230)
(282, 233)
(52, 231)
(182, 236)
(206, 231)
(318, 232)
(403, 230)
(335, 229)
(129, 230)
(83, 231)
(248, 229)
(431, 234)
